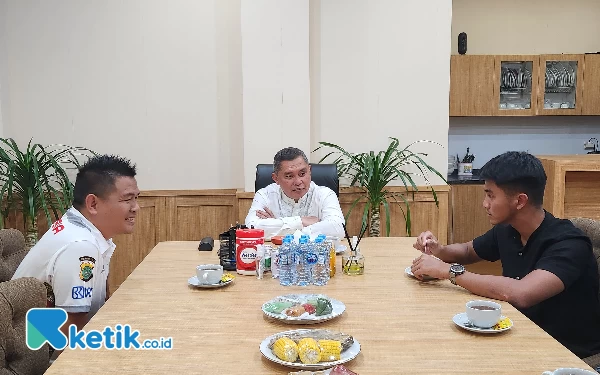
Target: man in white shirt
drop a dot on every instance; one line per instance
(73, 256)
(293, 202)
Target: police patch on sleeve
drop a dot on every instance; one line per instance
(86, 268)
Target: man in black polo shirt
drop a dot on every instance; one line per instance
(549, 271)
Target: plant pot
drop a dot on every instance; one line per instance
(465, 169)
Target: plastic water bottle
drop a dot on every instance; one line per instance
(303, 266)
(321, 268)
(287, 266)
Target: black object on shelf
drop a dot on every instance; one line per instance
(462, 43)
(206, 244)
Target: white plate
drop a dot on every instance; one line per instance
(462, 321)
(325, 372)
(408, 271)
(193, 281)
(346, 356)
(338, 309)
(340, 249)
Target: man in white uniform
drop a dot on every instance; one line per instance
(293, 202)
(73, 257)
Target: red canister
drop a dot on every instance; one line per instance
(246, 244)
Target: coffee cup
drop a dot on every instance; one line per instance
(483, 314)
(569, 371)
(209, 273)
(335, 241)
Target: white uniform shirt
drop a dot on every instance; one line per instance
(319, 201)
(73, 258)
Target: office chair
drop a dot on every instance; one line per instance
(321, 174)
(12, 252)
(16, 298)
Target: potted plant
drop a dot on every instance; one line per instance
(372, 172)
(465, 168)
(35, 180)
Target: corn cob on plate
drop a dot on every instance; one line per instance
(329, 348)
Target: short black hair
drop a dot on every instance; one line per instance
(97, 176)
(517, 172)
(287, 154)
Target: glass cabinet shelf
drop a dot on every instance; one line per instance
(515, 85)
(560, 84)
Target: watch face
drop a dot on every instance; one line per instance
(457, 268)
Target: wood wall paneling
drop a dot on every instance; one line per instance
(167, 215)
(244, 200)
(191, 218)
(425, 215)
(150, 229)
(15, 220)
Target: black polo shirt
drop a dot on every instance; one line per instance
(572, 317)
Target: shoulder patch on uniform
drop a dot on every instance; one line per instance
(86, 268)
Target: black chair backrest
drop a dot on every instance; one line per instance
(321, 174)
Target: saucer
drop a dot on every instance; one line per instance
(193, 281)
(408, 271)
(462, 321)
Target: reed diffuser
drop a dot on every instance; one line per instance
(354, 262)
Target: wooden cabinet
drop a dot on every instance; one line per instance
(560, 86)
(524, 85)
(471, 85)
(573, 185)
(469, 218)
(515, 89)
(591, 85)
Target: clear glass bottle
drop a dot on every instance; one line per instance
(353, 262)
(332, 258)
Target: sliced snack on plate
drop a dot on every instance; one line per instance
(300, 306)
(502, 324)
(310, 346)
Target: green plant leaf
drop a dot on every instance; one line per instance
(387, 217)
(373, 171)
(35, 180)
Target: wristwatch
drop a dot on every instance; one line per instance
(456, 270)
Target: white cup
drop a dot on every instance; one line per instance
(209, 273)
(569, 371)
(335, 240)
(483, 314)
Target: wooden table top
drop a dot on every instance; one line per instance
(404, 326)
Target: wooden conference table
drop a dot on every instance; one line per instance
(404, 326)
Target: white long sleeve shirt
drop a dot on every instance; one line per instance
(319, 201)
